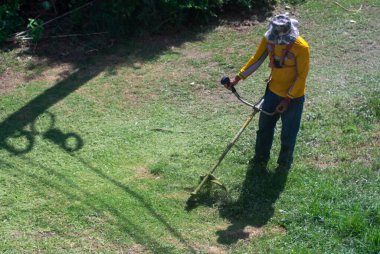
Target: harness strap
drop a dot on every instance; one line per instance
(284, 53)
(270, 47)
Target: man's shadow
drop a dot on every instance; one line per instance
(255, 205)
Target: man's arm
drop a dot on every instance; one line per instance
(256, 60)
(303, 61)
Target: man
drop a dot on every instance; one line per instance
(289, 60)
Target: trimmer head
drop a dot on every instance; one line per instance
(214, 180)
(204, 179)
(197, 196)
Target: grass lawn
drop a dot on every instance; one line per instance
(99, 154)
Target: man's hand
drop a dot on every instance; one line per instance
(283, 105)
(233, 82)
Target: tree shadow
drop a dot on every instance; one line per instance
(20, 129)
(139, 198)
(21, 124)
(255, 205)
(76, 194)
(86, 58)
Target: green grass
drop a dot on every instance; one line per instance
(103, 160)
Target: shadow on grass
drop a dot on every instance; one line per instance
(97, 204)
(79, 53)
(253, 208)
(20, 129)
(255, 205)
(19, 126)
(18, 132)
(141, 200)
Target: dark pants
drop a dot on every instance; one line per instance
(290, 119)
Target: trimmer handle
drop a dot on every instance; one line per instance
(226, 81)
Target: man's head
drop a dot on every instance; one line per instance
(282, 30)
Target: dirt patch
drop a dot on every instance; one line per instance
(244, 25)
(44, 234)
(253, 232)
(198, 55)
(142, 172)
(9, 80)
(324, 164)
(249, 233)
(277, 230)
(49, 61)
(17, 234)
(91, 241)
(245, 22)
(200, 248)
(82, 241)
(41, 71)
(180, 196)
(136, 249)
(39, 235)
(55, 73)
(246, 233)
(215, 250)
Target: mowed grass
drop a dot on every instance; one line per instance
(103, 161)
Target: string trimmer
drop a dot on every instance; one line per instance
(209, 177)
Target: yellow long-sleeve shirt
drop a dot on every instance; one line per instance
(285, 82)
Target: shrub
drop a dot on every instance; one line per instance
(117, 16)
(10, 19)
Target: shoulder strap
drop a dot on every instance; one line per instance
(270, 48)
(285, 52)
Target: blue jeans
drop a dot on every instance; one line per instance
(291, 120)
